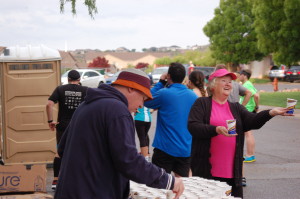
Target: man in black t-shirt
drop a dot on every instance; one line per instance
(68, 97)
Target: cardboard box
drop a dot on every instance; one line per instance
(23, 178)
(27, 196)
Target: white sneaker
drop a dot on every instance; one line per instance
(54, 183)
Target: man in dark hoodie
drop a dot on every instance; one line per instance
(98, 150)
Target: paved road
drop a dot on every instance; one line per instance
(276, 173)
(281, 86)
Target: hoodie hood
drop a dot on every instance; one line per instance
(104, 91)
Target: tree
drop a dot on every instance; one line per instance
(278, 29)
(99, 62)
(152, 49)
(180, 59)
(91, 4)
(231, 33)
(141, 65)
(130, 66)
(205, 59)
(163, 61)
(149, 69)
(199, 58)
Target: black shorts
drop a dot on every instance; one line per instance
(59, 134)
(142, 129)
(179, 165)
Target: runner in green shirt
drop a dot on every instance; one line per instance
(251, 106)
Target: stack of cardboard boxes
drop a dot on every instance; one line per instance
(23, 181)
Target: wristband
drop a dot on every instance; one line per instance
(164, 82)
(49, 121)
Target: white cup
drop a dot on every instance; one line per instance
(231, 126)
(291, 104)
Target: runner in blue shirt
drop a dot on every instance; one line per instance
(172, 141)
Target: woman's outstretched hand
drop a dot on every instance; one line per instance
(279, 111)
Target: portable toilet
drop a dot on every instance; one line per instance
(28, 76)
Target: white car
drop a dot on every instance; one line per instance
(158, 72)
(88, 77)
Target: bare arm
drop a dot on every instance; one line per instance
(247, 97)
(49, 109)
(256, 100)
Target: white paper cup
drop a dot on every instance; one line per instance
(290, 104)
(231, 126)
(170, 195)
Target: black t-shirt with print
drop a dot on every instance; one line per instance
(68, 97)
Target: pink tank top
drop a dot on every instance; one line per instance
(222, 148)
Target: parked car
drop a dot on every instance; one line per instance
(292, 74)
(277, 72)
(88, 77)
(188, 68)
(157, 72)
(112, 78)
(206, 70)
(151, 79)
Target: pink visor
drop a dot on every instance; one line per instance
(221, 73)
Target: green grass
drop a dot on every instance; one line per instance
(278, 99)
(259, 81)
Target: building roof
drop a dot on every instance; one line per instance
(1, 49)
(68, 60)
(127, 56)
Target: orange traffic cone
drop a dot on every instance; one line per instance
(275, 84)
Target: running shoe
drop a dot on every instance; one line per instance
(244, 182)
(54, 183)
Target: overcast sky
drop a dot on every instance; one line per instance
(134, 24)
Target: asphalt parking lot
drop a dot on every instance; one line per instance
(276, 173)
(281, 86)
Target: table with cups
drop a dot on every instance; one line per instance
(195, 188)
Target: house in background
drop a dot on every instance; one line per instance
(169, 49)
(261, 68)
(197, 47)
(121, 60)
(122, 50)
(1, 49)
(67, 61)
(174, 48)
